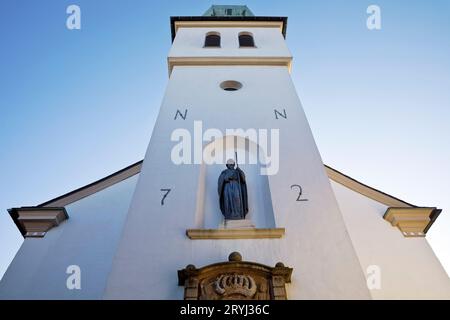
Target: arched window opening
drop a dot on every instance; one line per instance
(212, 39)
(246, 40)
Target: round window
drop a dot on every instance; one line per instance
(231, 85)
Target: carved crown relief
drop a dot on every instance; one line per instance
(234, 284)
(235, 280)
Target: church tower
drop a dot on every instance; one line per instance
(186, 223)
(230, 90)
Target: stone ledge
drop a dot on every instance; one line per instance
(36, 221)
(250, 233)
(412, 222)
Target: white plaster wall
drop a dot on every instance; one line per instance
(409, 267)
(189, 42)
(88, 239)
(154, 244)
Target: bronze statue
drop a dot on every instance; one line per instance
(232, 189)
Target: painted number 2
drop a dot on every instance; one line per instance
(166, 192)
(300, 191)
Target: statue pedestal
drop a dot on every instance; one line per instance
(237, 224)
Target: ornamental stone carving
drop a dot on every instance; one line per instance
(235, 280)
(234, 284)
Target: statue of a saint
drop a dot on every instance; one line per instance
(233, 192)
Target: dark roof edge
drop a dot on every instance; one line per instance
(141, 161)
(235, 18)
(91, 184)
(433, 216)
(14, 216)
(365, 185)
(13, 212)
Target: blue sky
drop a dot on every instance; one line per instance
(78, 105)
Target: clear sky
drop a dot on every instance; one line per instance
(78, 105)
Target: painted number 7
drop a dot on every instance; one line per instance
(165, 195)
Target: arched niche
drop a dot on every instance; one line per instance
(208, 214)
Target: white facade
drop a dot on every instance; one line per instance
(87, 239)
(316, 243)
(129, 245)
(409, 268)
(189, 42)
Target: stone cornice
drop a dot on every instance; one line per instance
(215, 22)
(241, 233)
(35, 221)
(412, 222)
(229, 61)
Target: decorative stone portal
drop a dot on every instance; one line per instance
(235, 280)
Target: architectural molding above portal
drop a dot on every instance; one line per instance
(35, 222)
(235, 280)
(240, 233)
